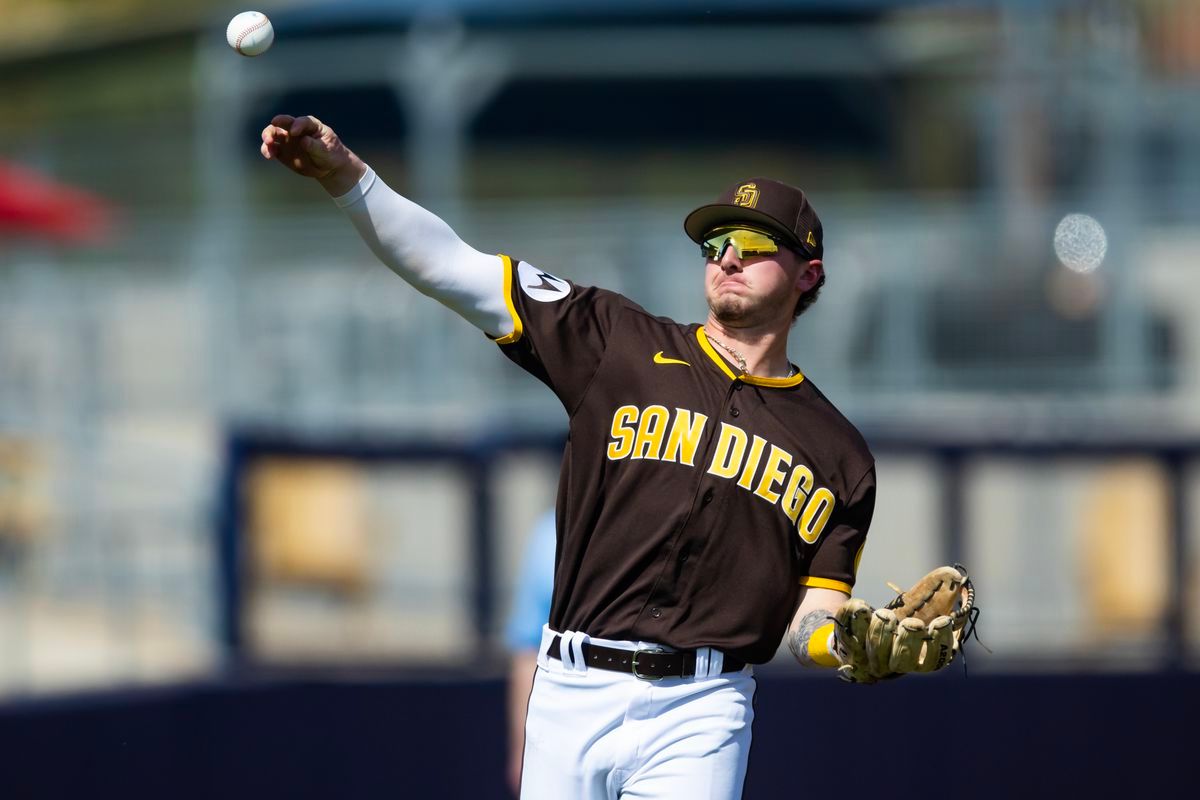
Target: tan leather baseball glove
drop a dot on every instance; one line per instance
(922, 630)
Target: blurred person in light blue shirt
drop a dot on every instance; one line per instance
(523, 634)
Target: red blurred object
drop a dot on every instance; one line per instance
(35, 206)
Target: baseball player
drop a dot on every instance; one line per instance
(712, 501)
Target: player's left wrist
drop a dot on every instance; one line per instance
(822, 650)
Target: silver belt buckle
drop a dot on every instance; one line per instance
(634, 665)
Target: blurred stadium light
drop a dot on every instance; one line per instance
(942, 143)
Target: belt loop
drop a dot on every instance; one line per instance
(709, 662)
(564, 651)
(578, 639)
(702, 656)
(570, 650)
(547, 638)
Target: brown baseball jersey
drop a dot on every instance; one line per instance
(694, 502)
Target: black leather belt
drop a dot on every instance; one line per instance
(651, 665)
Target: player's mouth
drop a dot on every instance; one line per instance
(726, 283)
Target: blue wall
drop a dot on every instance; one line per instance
(1001, 737)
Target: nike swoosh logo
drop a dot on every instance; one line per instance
(659, 358)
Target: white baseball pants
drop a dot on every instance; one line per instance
(593, 734)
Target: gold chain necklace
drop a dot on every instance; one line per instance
(741, 359)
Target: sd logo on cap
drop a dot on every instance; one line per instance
(767, 204)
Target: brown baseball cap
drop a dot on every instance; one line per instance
(763, 203)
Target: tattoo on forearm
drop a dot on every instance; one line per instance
(798, 639)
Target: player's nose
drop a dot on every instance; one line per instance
(729, 261)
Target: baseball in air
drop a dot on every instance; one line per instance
(250, 33)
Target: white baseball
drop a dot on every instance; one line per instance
(250, 33)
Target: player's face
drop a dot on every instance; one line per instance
(757, 291)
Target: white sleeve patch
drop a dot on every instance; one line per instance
(541, 286)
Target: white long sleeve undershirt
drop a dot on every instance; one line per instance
(423, 250)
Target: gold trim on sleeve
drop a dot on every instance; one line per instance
(509, 269)
(826, 583)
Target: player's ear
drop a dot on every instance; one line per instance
(810, 273)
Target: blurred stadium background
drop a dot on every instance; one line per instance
(235, 451)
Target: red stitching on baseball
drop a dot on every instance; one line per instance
(249, 31)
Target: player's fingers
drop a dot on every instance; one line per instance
(879, 640)
(315, 148)
(283, 120)
(908, 645)
(273, 134)
(304, 126)
(939, 650)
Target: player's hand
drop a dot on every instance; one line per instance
(922, 630)
(309, 147)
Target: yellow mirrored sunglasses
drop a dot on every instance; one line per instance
(744, 241)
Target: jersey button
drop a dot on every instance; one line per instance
(737, 387)
(656, 612)
(707, 498)
(734, 412)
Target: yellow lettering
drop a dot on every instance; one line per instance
(731, 446)
(799, 484)
(772, 474)
(623, 435)
(650, 433)
(756, 451)
(684, 437)
(816, 515)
